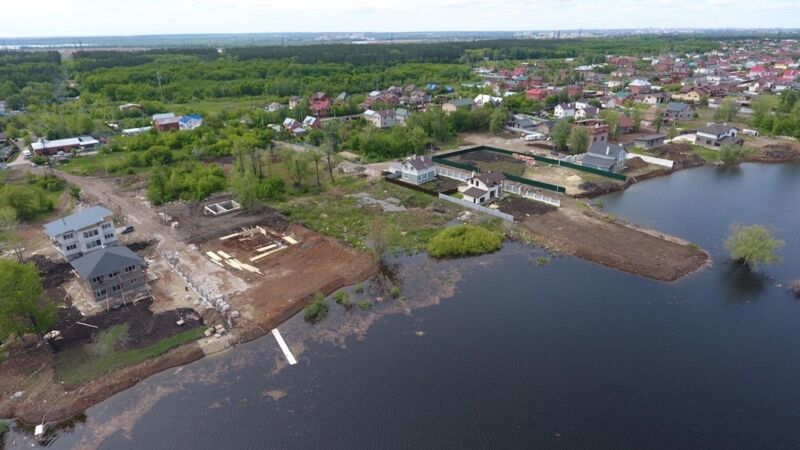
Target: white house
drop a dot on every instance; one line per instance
(717, 135)
(483, 187)
(564, 110)
(585, 112)
(484, 99)
(418, 170)
(381, 119)
(82, 232)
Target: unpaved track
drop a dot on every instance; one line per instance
(148, 225)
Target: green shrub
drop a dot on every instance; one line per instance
(464, 240)
(359, 288)
(394, 291)
(542, 260)
(365, 305)
(317, 310)
(342, 298)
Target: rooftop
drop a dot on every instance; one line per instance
(105, 261)
(77, 221)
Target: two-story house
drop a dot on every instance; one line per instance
(112, 276)
(82, 232)
(675, 112)
(384, 118)
(483, 187)
(564, 110)
(418, 170)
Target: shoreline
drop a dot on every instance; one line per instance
(679, 256)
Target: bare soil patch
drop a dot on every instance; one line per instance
(613, 243)
(195, 227)
(521, 208)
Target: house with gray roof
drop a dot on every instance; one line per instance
(605, 156)
(717, 135)
(82, 232)
(112, 276)
(459, 103)
(418, 170)
(676, 111)
(483, 187)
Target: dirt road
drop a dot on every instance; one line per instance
(148, 225)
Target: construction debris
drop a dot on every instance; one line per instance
(261, 240)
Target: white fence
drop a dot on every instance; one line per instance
(649, 159)
(516, 188)
(477, 207)
(455, 174)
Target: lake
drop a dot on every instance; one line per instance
(501, 352)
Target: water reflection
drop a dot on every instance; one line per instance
(741, 284)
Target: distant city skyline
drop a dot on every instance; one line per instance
(50, 18)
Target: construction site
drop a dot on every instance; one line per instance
(217, 275)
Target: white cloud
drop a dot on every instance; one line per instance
(100, 17)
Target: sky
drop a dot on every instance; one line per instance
(35, 18)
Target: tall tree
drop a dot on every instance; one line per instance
(752, 246)
(561, 132)
(578, 140)
(726, 111)
(24, 308)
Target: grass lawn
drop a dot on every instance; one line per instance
(77, 366)
(334, 214)
(705, 153)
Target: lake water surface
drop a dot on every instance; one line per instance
(499, 352)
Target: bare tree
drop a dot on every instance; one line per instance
(316, 156)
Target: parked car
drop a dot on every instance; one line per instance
(126, 229)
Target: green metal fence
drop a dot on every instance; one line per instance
(544, 159)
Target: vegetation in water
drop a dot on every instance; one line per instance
(542, 260)
(317, 310)
(752, 246)
(365, 305)
(464, 240)
(342, 298)
(795, 287)
(732, 154)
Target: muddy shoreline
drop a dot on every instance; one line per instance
(74, 402)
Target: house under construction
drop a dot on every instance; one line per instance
(112, 276)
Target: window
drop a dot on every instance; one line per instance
(113, 274)
(130, 269)
(72, 247)
(133, 280)
(115, 288)
(100, 293)
(109, 236)
(90, 233)
(92, 244)
(67, 236)
(98, 279)
(106, 226)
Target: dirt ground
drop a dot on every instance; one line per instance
(773, 150)
(290, 279)
(195, 227)
(613, 243)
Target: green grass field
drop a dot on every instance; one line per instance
(77, 366)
